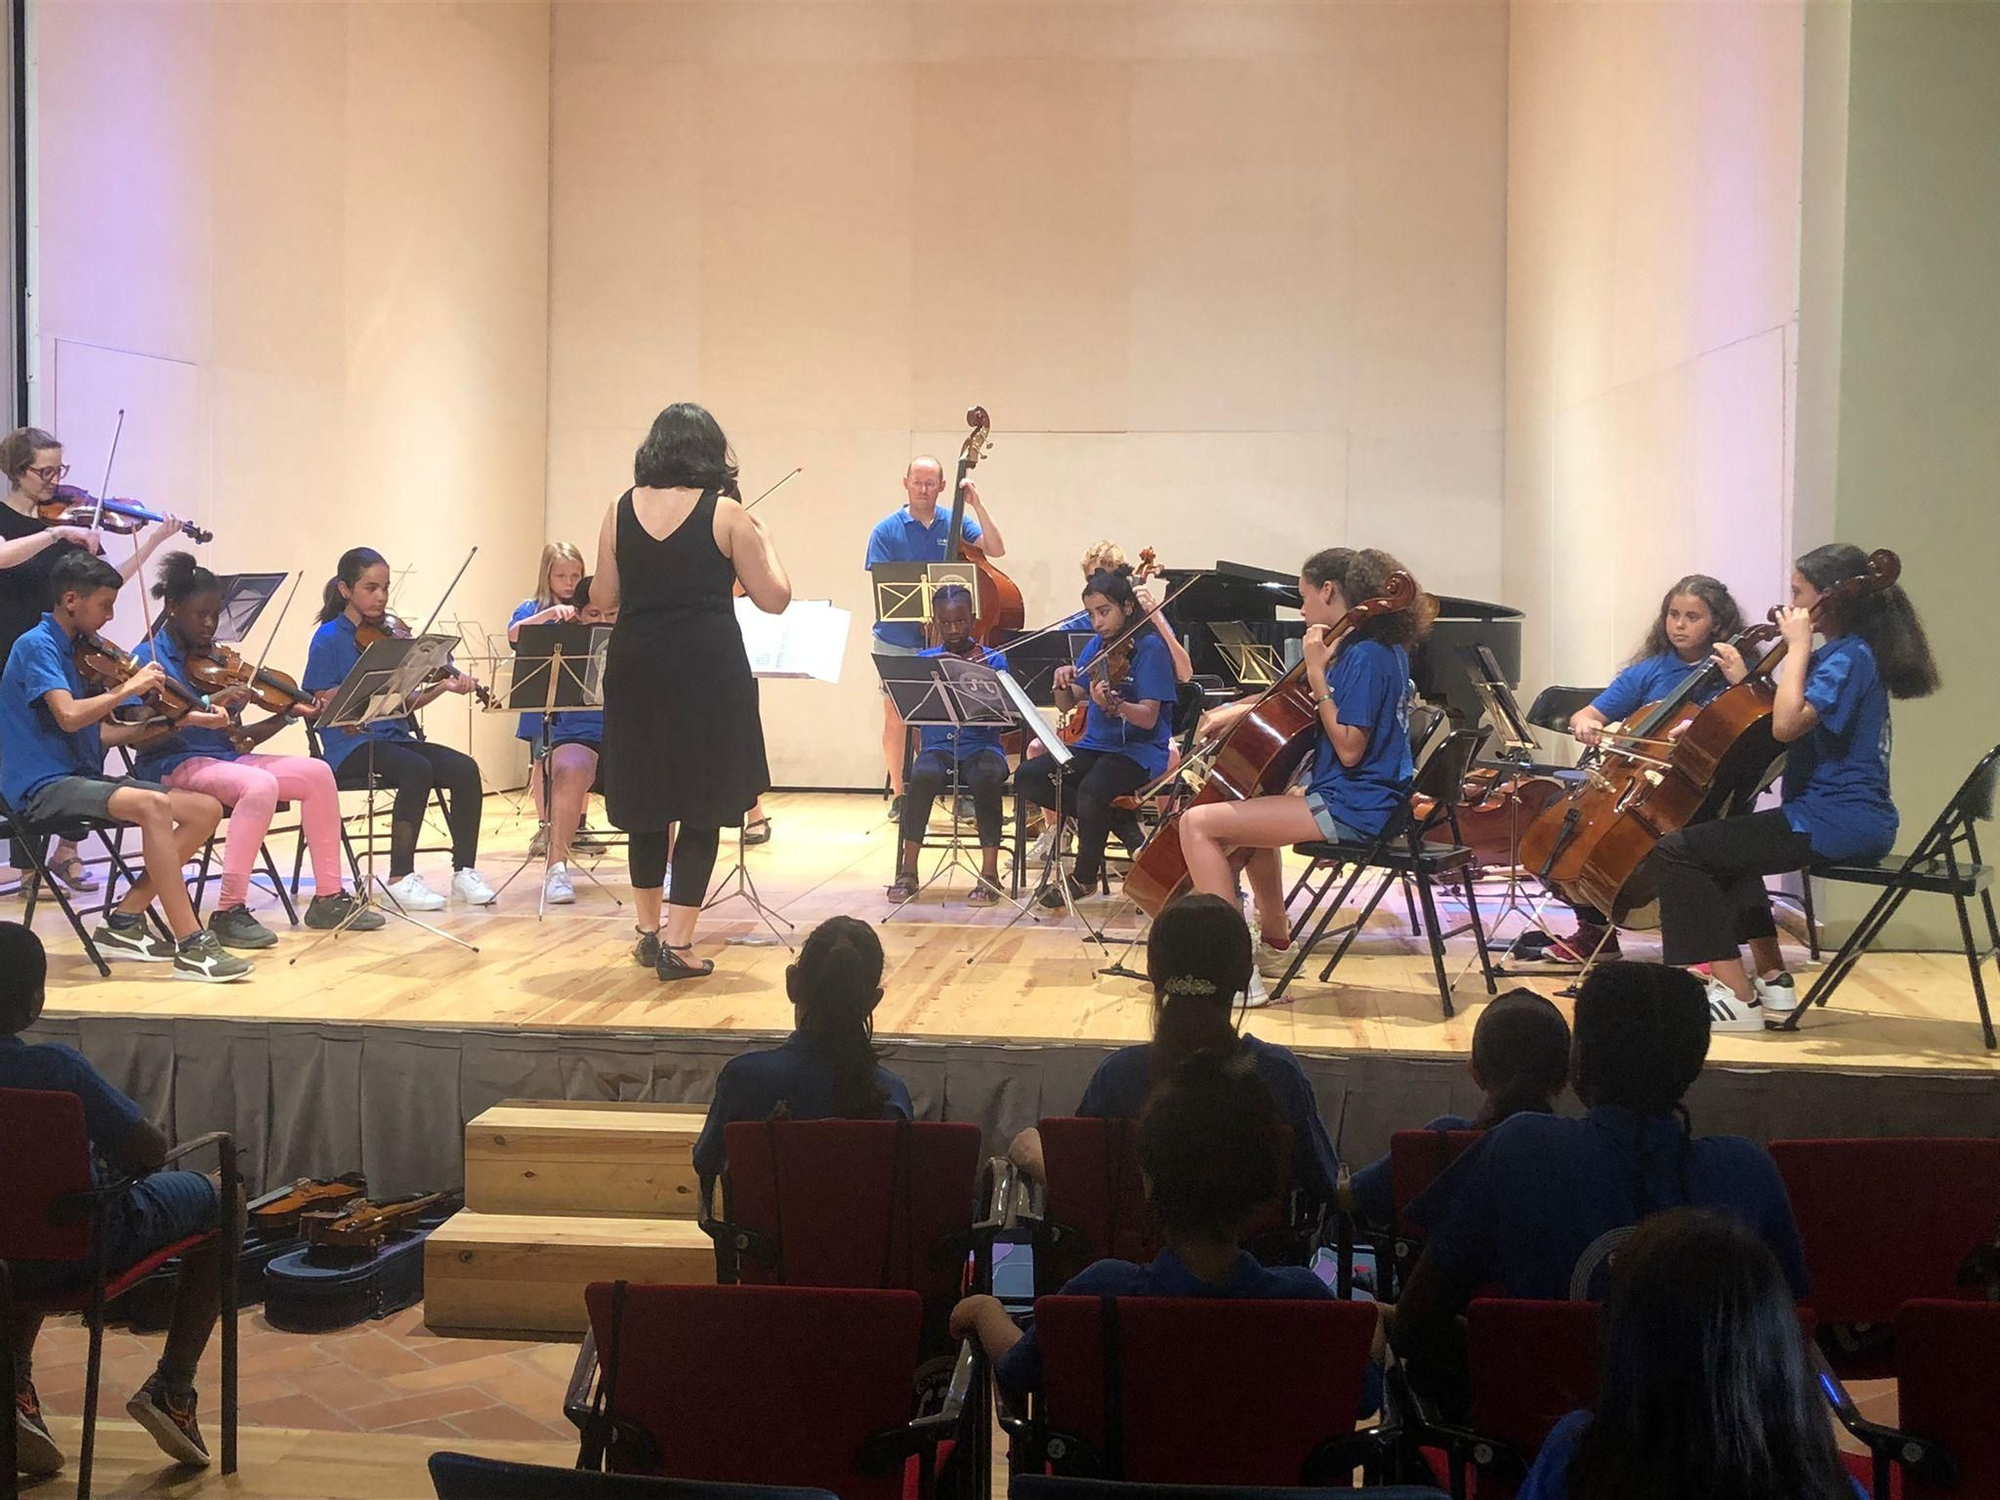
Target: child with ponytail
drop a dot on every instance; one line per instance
(827, 1069)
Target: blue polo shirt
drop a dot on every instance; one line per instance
(1549, 1478)
(1152, 676)
(331, 657)
(901, 538)
(1118, 1090)
(1836, 783)
(1020, 1368)
(963, 744)
(530, 727)
(1649, 681)
(50, 1067)
(160, 757)
(34, 750)
(1534, 1204)
(795, 1074)
(1370, 683)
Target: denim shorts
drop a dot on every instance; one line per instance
(1331, 828)
(156, 1211)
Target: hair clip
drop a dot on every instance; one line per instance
(1186, 984)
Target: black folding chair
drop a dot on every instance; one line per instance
(1402, 851)
(1554, 707)
(34, 838)
(1945, 862)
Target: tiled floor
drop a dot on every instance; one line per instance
(387, 1376)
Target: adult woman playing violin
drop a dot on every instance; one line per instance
(206, 756)
(1126, 730)
(29, 548)
(1361, 766)
(357, 599)
(1832, 712)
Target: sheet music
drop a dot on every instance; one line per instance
(808, 640)
(1045, 728)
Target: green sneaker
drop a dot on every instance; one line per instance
(203, 959)
(120, 936)
(234, 927)
(327, 912)
(170, 1419)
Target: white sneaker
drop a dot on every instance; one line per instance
(1727, 1013)
(1257, 996)
(1777, 997)
(412, 894)
(471, 888)
(1272, 962)
(557, 890)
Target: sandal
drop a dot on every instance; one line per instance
(903, 888)
(673, 966)
(757, 831)
(73, 874)
(983, 894)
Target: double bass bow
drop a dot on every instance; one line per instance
(998, 606)
(1256, 756)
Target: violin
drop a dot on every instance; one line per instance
(219, 669)
(364, 1226)
(997, 598)
(279, 1210)
(72, 505)
(1258, 755)
(111, 667)
(393, 629)
(1116, 661)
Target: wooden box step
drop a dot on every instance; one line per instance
(594, 1159)
(525, 1273)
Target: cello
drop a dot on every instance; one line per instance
(997, 600)
(1257, 756)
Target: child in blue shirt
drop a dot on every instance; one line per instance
(156, 1211)
(1209, 1149)
(1706, 1389)
(1359, 684)
(52, 735)
(576, 737)
(553, 603)
(1832, 711)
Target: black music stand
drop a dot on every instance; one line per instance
(379, 688)
(244, 597)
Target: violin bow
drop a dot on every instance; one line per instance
(445, 598)
(97, 512)
(273, 636)
(1142, 621)
(774, 488)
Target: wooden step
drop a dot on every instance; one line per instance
(596, 1159)
(525, 1273)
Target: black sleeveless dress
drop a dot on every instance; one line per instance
(683, 742)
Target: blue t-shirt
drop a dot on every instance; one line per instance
(160, 757)
(1549, 1478)
(1370, 683)
(34, 750)
(795, 1074)
(331, 657)
(1119, 1088)
(1539, 1203)
(901, 538)
(1076, 624)
(963, 744)
(53, 1068)
(1836, 783)
(1651, 680)
(1373, 1186)
(1152, 677)
(530, 727)
(1020, 1368)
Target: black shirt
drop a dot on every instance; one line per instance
(24, 590)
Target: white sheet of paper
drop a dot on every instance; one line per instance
(808, 640)
(1034, 719)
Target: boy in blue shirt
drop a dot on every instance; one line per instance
(52, 735)
(157, 1210)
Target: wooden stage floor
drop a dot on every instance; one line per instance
(953, 974)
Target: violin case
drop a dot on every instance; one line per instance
(318, 1289)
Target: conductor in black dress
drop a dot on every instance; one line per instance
(683, 743)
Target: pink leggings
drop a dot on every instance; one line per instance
(251, 787)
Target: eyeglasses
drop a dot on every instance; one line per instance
(50, 473)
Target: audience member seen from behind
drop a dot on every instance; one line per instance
(157, 1210)
(827, 1068)
(1520, 1061)
(1210, 1149)
(1538, 1205)
(1198, 962)
(1706, 1389)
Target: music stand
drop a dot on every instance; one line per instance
(376, 690)
(1250, 661)
(244, 596)
(555, 668)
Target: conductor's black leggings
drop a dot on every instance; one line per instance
(412, 768)
(694, 862)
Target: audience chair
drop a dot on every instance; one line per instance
(1945, 862)
(1048, 1487)
(776, 1385)
(461, 1476)
(1417, 1158)
(1403, 851)
(1945, 1444)
(51, 1210)
(35, 838)
(1162, 1390)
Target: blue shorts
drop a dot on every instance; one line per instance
(156, 1211)
(1331, 828)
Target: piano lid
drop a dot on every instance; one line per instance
(1231, 591)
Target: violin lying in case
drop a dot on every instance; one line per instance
(362, 1261)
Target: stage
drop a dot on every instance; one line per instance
(372, 1050)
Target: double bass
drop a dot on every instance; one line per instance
(997, 601)
(1258, 756)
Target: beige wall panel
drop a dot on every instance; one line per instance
(1527, 545)
(1426, 499)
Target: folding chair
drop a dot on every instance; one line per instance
(460, 1476)
(34, 838)
(1402, 850)
(52, 1210)
(1417, 1158)
(1945, 862)
(1885, 1222)
(783, 1385)
(1203, 1390)
(1048, 1487)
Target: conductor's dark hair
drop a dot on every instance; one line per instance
(581, 598)
(1210, 1146)
(1198, 961)
(1114, 584)
(1641, 1037)
(353, 563)
(1722, 609)
(1885, 619)
(1520, 1049)
(835, 984)
(81, 572)
(1362, 574)
(182, 578)
(686, 450)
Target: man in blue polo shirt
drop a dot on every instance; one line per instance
(918, 533)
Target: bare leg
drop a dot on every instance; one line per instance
(172, 825)
(680, 925)
(1210, 830)
(1765, 954)
(574, 768)
(893, 736)
(1266, 874)
(197, 1308)
(535, 790)
(1730, 971)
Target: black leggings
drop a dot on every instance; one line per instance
(1090, 784)
(1711, 875)
(412, 768)
(694, 851)
(981, 776)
